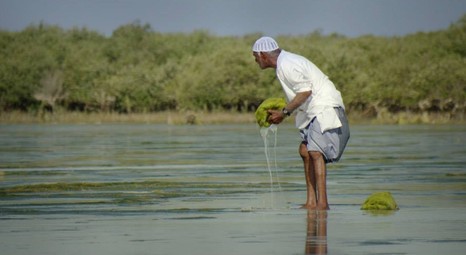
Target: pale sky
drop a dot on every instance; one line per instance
(239, 17)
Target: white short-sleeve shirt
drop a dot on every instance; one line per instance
(297, 74)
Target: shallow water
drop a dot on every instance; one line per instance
(160, 189)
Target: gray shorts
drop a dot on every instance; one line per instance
(332, 142)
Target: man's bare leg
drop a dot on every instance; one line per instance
(320, 171)
(311, 201)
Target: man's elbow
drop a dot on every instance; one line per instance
(305, 94)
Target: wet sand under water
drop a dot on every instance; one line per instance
(129, 189)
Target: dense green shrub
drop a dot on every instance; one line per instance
(137, 69)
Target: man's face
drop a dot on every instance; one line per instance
(261, 60)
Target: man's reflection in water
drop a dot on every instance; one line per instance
(316, 238)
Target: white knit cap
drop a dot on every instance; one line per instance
(265, 44)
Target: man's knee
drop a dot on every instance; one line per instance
(303, 151)
(319, 163)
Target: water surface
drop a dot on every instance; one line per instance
(164, 189)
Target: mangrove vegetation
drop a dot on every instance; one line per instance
(139, 70)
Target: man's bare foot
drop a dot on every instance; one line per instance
(322, 207)
(309, 206)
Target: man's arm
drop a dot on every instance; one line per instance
(277, 116)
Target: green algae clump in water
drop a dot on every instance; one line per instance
(380, 201)
(272, 103)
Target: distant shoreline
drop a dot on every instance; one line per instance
(216, 117)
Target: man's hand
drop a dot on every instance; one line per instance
(275, 116)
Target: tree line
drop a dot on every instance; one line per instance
(137, 69)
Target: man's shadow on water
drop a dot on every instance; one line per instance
(316, 236)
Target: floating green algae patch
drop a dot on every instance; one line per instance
(54, 187)
(455, 174)
(158, 188)
(380, 201)
(32, 173)
(272, 103)
(133, 199)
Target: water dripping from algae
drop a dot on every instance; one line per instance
(262, 114)
(264, 131)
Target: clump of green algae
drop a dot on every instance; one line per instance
(380, 201)
(272, 103)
